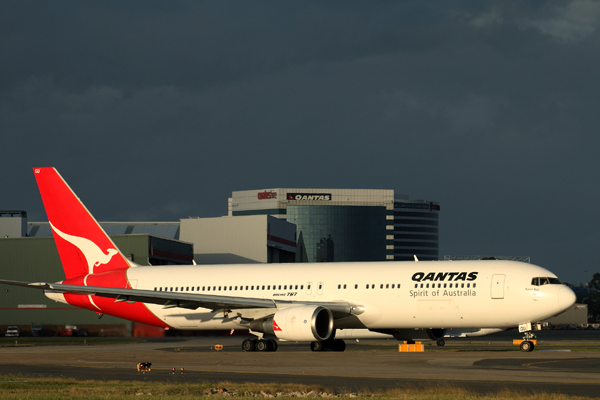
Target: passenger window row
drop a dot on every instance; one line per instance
(230, 288)
(372, 286)
(381, 286)
(263, 287)
(439, 285)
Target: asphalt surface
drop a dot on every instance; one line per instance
(481, 365)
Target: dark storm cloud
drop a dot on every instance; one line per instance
(157, 111)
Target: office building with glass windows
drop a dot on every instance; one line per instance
(416, 229)
(335, 225)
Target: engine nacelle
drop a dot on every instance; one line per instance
(301, 323)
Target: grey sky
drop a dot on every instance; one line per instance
(159, 110)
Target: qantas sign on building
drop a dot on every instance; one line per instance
(309, 196)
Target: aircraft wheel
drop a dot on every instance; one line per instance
(273, 344)
(526, 345)
(339, 345)
(263, 345)
(441, 342)
(249, 345)
(317, 346)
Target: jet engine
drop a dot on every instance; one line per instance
(300, 323)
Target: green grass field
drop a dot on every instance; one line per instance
(14, 387)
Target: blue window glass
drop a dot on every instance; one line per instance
(339, 233)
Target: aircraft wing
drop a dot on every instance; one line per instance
(190, 301)
(167, 299)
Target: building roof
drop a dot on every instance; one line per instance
(168, 230)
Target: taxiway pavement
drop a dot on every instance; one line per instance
(485, 365)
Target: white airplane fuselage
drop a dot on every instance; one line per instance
(425, 294)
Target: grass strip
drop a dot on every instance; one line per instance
(17, 387)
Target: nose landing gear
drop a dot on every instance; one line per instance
(527, 345)
(529, 337)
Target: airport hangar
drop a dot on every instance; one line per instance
(262, 226)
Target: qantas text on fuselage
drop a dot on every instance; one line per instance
(444, 276)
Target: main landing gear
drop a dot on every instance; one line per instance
(328, 345)
(271, 345)
(259, 345)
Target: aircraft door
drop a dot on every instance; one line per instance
(320, 288)
(498, 286)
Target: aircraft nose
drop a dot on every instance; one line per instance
(566, 298)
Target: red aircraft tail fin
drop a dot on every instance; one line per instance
(82, 244)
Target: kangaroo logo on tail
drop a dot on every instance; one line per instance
(93, 254)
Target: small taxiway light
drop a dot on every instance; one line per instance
(144, 367)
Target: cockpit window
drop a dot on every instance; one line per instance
(544, 280)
